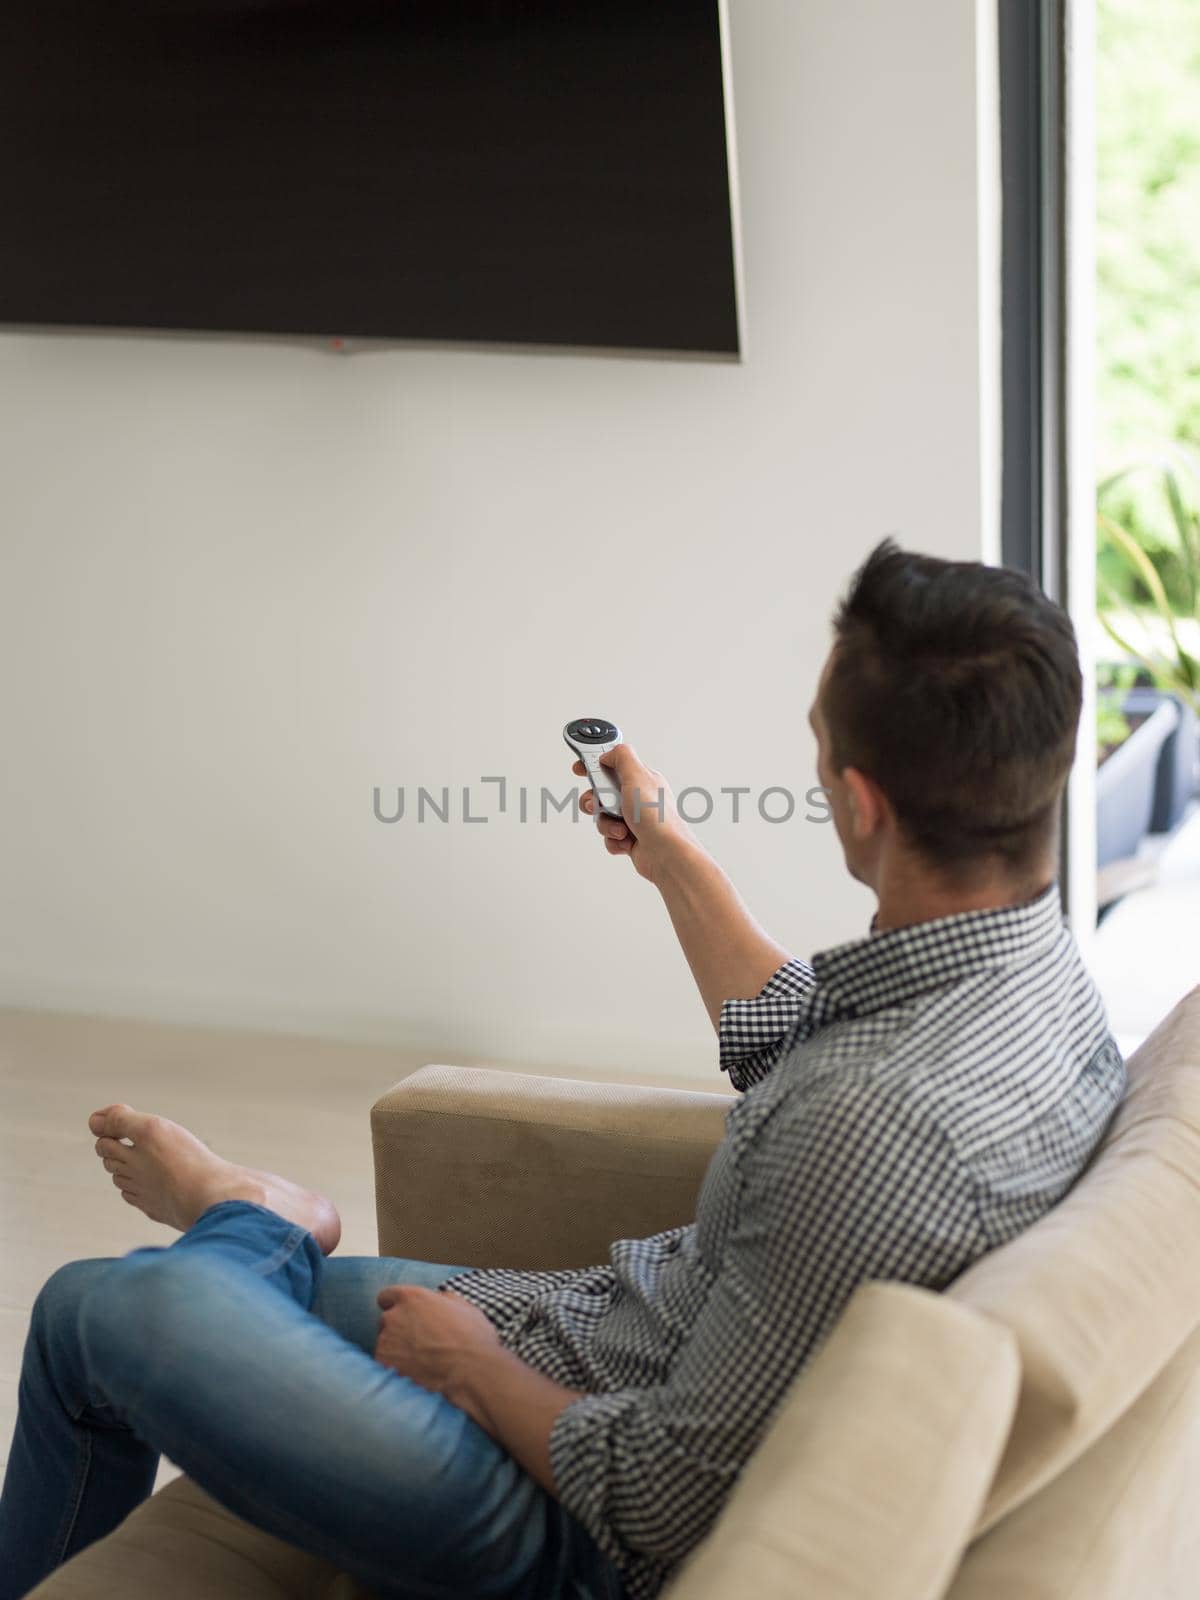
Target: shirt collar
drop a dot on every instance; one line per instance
(885, 969)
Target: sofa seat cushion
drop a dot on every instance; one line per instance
(180, 1543)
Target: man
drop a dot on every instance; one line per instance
(911, 1100)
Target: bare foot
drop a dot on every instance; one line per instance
(170, 1175)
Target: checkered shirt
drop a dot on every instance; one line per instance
(912, 1100)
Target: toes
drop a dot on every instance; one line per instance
(112, 1150)
(116, 1121)
(124, 1182)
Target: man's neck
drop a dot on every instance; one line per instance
(909, 893)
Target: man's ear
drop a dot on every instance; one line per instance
(865, 801)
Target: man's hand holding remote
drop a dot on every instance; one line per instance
(652, 828)
(729, 954)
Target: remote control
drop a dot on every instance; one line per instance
(589, 738)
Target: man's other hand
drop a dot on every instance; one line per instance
(433, 1337)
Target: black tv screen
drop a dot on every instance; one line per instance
(507, 171)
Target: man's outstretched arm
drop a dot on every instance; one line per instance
(446, 1344)
(730, 956)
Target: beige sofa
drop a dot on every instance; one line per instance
(1032, 1433)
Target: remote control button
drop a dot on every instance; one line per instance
(592, 730)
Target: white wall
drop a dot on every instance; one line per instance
(243, 584)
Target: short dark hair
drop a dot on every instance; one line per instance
(956, 687)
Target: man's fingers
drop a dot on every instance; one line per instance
(393, 1294)
(610, 827)
(622, 758)
(578, 768)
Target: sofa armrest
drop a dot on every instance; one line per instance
(477, 1168)
(870, 1478)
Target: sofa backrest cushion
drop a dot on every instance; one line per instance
(1103, 1290)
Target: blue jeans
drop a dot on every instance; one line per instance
(245, 1356)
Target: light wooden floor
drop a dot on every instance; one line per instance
(297, 1106)
(292, 1105)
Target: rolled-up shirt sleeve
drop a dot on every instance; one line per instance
(858, 1189)
(754, 1034)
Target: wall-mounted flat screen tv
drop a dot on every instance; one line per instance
(548, 172)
